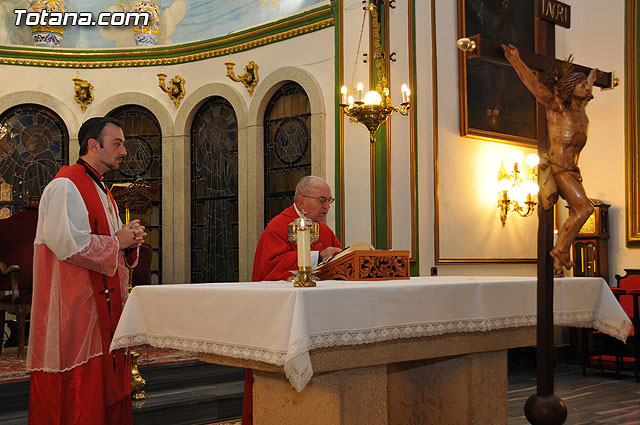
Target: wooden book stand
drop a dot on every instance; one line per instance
(367, 265)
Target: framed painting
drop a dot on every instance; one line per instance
(632, 49)
(494, 104)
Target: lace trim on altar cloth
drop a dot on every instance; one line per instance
(297, 363)
(195, 346)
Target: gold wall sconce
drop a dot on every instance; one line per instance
(175, 90)
(249, 78)
(514, 193)
(82, 92)
(375, 106)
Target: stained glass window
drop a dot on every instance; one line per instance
(143, 142)
(34, 144)
(214, 193)
(287, 147)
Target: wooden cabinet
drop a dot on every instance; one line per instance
(591, 246)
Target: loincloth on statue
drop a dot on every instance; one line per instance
(548, 189)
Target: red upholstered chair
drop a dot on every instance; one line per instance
(611, 353)
(142, 271)
(628, 292)
(17, 234)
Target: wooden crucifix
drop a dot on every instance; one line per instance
(567, 127)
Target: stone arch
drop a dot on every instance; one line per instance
(182, 181)
(134, 98)
(163, 117)
(191, 104)
(70, 119)
(261, 97)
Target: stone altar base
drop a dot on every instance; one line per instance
(456, 378)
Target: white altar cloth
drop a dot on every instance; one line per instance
(274, 322)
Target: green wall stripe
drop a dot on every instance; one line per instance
(415, 267)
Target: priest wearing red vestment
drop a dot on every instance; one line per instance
(276, 256)
(80, 282)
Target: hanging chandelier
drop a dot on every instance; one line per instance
(374, 107)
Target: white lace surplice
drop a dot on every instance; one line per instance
(65, 332)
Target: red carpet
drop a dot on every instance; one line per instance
(12, 369)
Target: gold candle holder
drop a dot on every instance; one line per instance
(303, 232)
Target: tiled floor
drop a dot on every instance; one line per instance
(594, 399)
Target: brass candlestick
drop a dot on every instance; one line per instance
(136, 197)
(137, 381)
(303, 232)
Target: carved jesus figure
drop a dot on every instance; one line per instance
(567, 126)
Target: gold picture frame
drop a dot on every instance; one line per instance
(631, 118)
(494, 104)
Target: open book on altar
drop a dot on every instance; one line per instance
(358, 246)
(361, 261)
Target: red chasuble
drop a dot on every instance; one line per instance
(276, 256)
(95, 390)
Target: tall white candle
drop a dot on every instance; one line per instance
(303, 240)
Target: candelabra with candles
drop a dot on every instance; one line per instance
(303, 232)
(374, 107)
(511, 187)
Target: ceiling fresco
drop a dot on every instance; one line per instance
(181, 21)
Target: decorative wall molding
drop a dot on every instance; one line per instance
(273, 32)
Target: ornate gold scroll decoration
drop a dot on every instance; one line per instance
(175, 90)
(82, 92)
(249, 78)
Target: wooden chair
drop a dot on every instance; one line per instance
(17, 234)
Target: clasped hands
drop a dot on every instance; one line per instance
(132, 235)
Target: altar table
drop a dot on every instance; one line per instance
(426, 350)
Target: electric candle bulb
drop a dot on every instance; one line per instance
(372, 98)
(359, 90)
(350, 101)
(532, 160)
(343, 91)
(531, 187)
(517, 156)
(504, 185)
(405, 93)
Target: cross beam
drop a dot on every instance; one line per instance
(492, 52)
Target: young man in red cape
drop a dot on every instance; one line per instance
(80, 286)
(276, 256)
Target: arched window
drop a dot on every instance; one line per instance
(287, 147)
(143, 142)
(34, 145)
(214, 193)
